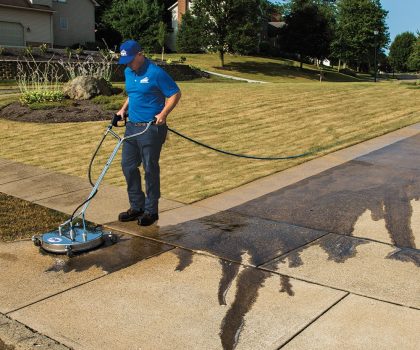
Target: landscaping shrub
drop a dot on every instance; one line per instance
(43, 48)
(39, 82)
(41, 96)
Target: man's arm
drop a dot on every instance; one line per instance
(170, 104)
(123, 109)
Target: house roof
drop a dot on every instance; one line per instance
(26, 4)
(173, 6)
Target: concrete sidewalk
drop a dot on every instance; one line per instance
(325, 255)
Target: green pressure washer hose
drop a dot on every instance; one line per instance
(238, 154)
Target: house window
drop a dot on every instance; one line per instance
(64, 23)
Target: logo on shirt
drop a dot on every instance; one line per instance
(144, 80)
(123, 53)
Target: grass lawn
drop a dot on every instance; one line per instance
(270, 119)
(20, 219)
(274, 70)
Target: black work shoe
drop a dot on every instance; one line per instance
(130, 215)
(148, 219)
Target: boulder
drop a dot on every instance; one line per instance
(84, 88)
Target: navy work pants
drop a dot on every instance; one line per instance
(143, 149)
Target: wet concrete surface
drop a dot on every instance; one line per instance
(28, 274)
(402, 154)
(171, 302)
(239, 238)
(334, 200)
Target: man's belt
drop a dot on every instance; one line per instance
(139, 124)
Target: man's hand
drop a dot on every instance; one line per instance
(161, 118)
(121, 112)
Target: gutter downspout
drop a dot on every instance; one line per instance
(52, 31)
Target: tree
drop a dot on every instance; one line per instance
(230, 25)
(414, 59)
(355, 40)
(136, 19)
(106, 36)
(400, 51)
(190, 35)
(162, 36)
(308, 32)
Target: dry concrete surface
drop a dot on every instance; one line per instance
(180, 300)
(361, 323)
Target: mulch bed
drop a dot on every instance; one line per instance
(78, 111)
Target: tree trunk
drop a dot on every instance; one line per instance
(163, 51)
(339, 65)
(222, 57)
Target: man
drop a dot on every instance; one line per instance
(152, 93)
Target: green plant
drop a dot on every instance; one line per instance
(182, 59)
(38, 81)
(43, 48)
(169, 61)
(1, 50)
(41, 96)
(68, 52)
(79, 51)
(27, 51)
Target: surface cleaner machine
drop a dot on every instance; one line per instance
(76, 235)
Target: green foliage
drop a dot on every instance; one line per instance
(28, 51)
(79, 51)
(136, 19)
(355, 41)
(43, 48)
(161, 34)
(308, 31)
(68, 52)
(230, 25)
(1, 50)
(41, 96)
(400, 51)
(161, 37)
(190, 37)
(414, 59)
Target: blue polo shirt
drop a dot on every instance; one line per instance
(147, 90)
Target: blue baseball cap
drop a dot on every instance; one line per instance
(128, 50)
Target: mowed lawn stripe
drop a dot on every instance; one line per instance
(271, 119)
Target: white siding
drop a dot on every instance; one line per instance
(80, 15)
(36, 24)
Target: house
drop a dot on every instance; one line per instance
(177, 10)
(269, 33)
(57, 23)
